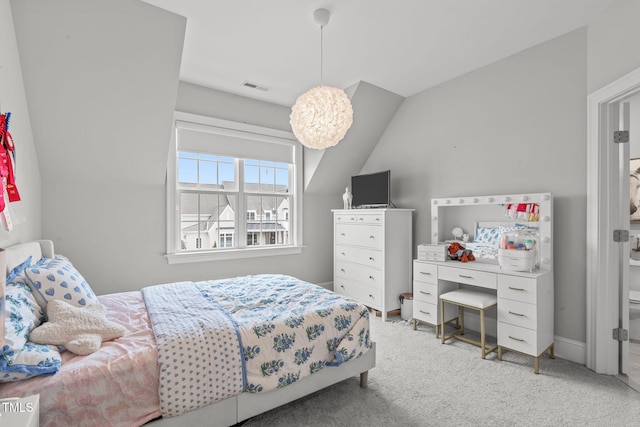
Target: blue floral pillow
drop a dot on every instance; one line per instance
(22, 314)
(57, 278)
(32, 360)
(488, 235)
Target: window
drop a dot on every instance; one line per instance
(233, 191)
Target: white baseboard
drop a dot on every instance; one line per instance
(326, 285)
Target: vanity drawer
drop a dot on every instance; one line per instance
(367, 295)
(482, 279)
(520, 339)
(517, 288)
(430, 313)
(423, 272)
(369, 236)
(517, 313)
(369, 257)
(427, 292)
(360, 273)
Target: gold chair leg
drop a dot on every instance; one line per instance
(536, 365)
(441, 319)
(461, 317)
(499, 352)
(551, 352)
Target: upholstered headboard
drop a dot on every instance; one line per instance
(17, 254)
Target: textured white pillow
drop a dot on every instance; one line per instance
(57, 279)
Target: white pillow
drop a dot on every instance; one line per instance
(58, 279)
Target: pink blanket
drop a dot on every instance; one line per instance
(115, 386)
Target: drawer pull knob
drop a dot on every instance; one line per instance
(516, 339)
(372, 237)
(516, 289)
(516, 314)
(371, 277)
(424, 272)
(426, 293)
(342, 286)
(342, 234)
(377, 219)
(342, 253)
(352, 219)
(425, 312)
(370, 296)
(342, 269)
(371, 258)
(465, 276)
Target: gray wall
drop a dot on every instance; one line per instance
(101, 95)
(613, 44)
(27, 212)
(515, 126)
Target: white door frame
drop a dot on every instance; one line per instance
(603, 296)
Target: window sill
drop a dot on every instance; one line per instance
(187, 257)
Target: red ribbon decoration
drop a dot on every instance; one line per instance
(7, 155)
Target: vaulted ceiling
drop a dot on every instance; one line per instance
(403, 46)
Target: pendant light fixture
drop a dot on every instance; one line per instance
(321, 117)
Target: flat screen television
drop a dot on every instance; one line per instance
(371, 190)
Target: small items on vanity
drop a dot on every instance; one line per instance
(518, 250)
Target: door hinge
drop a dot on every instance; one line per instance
(620, 235)
(620, 136)
(620, 334)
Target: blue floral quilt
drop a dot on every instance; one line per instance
(267, 331)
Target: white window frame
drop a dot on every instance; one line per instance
(254, 133)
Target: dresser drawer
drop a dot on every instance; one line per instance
(350, 217)
(423, 272)
(370, 257)
(369, 219)
(482, 279)
(517, 313)
(360, 273)
(369, 236)
(371, 297)
(427, 292)
(517, 338)
(517, 288)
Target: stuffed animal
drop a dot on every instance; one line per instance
(457, 251)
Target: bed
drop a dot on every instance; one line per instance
(284, 338)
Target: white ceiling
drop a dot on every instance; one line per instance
(404, 46)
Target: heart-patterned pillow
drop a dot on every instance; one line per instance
(58, 279)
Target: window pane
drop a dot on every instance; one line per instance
(267, 220)
(267, 179)
(187, 171)
(282, 180)
(208, 172)
(207, 221)
(227, 175)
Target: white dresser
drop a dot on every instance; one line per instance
(372, 256)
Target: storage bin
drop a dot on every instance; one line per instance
(406, 306)
(519, 250)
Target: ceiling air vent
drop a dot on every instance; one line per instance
(252, 85)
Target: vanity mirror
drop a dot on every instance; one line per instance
(488, 218)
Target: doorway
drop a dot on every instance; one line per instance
(608, 253)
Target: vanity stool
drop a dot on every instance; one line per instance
(465, 298)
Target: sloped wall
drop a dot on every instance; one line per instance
(27, 212)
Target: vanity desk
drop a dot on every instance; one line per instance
(525, 308)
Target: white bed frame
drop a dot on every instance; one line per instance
(238, 408)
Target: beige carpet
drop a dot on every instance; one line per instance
(420, 382)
